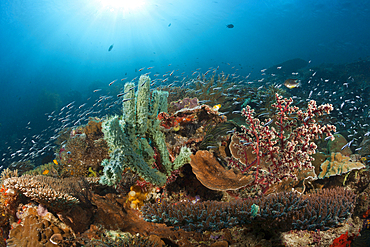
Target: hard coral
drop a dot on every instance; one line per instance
(214, 176)
(58, 194)
(281, 211)
(35, 230)
(338, 164)
(326, 208)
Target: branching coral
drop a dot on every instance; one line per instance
(57, 194)
(280, 211)
(285, 148)
(325, 209)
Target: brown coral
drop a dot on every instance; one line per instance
(214, 176)
(338, 164)
(84, 149)
(35, 230)
(57, 194)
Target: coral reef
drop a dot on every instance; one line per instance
(124, 239)
(7, 173)
(183, 103)
(278, 180)
(48, 169)
(193, 124)
(319, 210)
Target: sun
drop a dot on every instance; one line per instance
(125, 5)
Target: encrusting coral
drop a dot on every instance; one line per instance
(35, 229)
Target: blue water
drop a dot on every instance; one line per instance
(59, 49)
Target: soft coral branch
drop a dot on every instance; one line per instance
(285, 148)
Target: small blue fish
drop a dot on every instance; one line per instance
(347, 145)
(230, 131)
(268, 123)
(110, 47)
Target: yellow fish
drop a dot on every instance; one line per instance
(45, 172)
(216, 107)
(55, 162)
(292, 83)
(177, 127)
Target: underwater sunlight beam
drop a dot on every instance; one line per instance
(125, 5)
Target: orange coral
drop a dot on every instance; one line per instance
(214, 176)
(343, 240)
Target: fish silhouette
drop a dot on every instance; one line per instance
(110, 47)
(230, 26)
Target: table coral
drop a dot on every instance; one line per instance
(58, 194)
